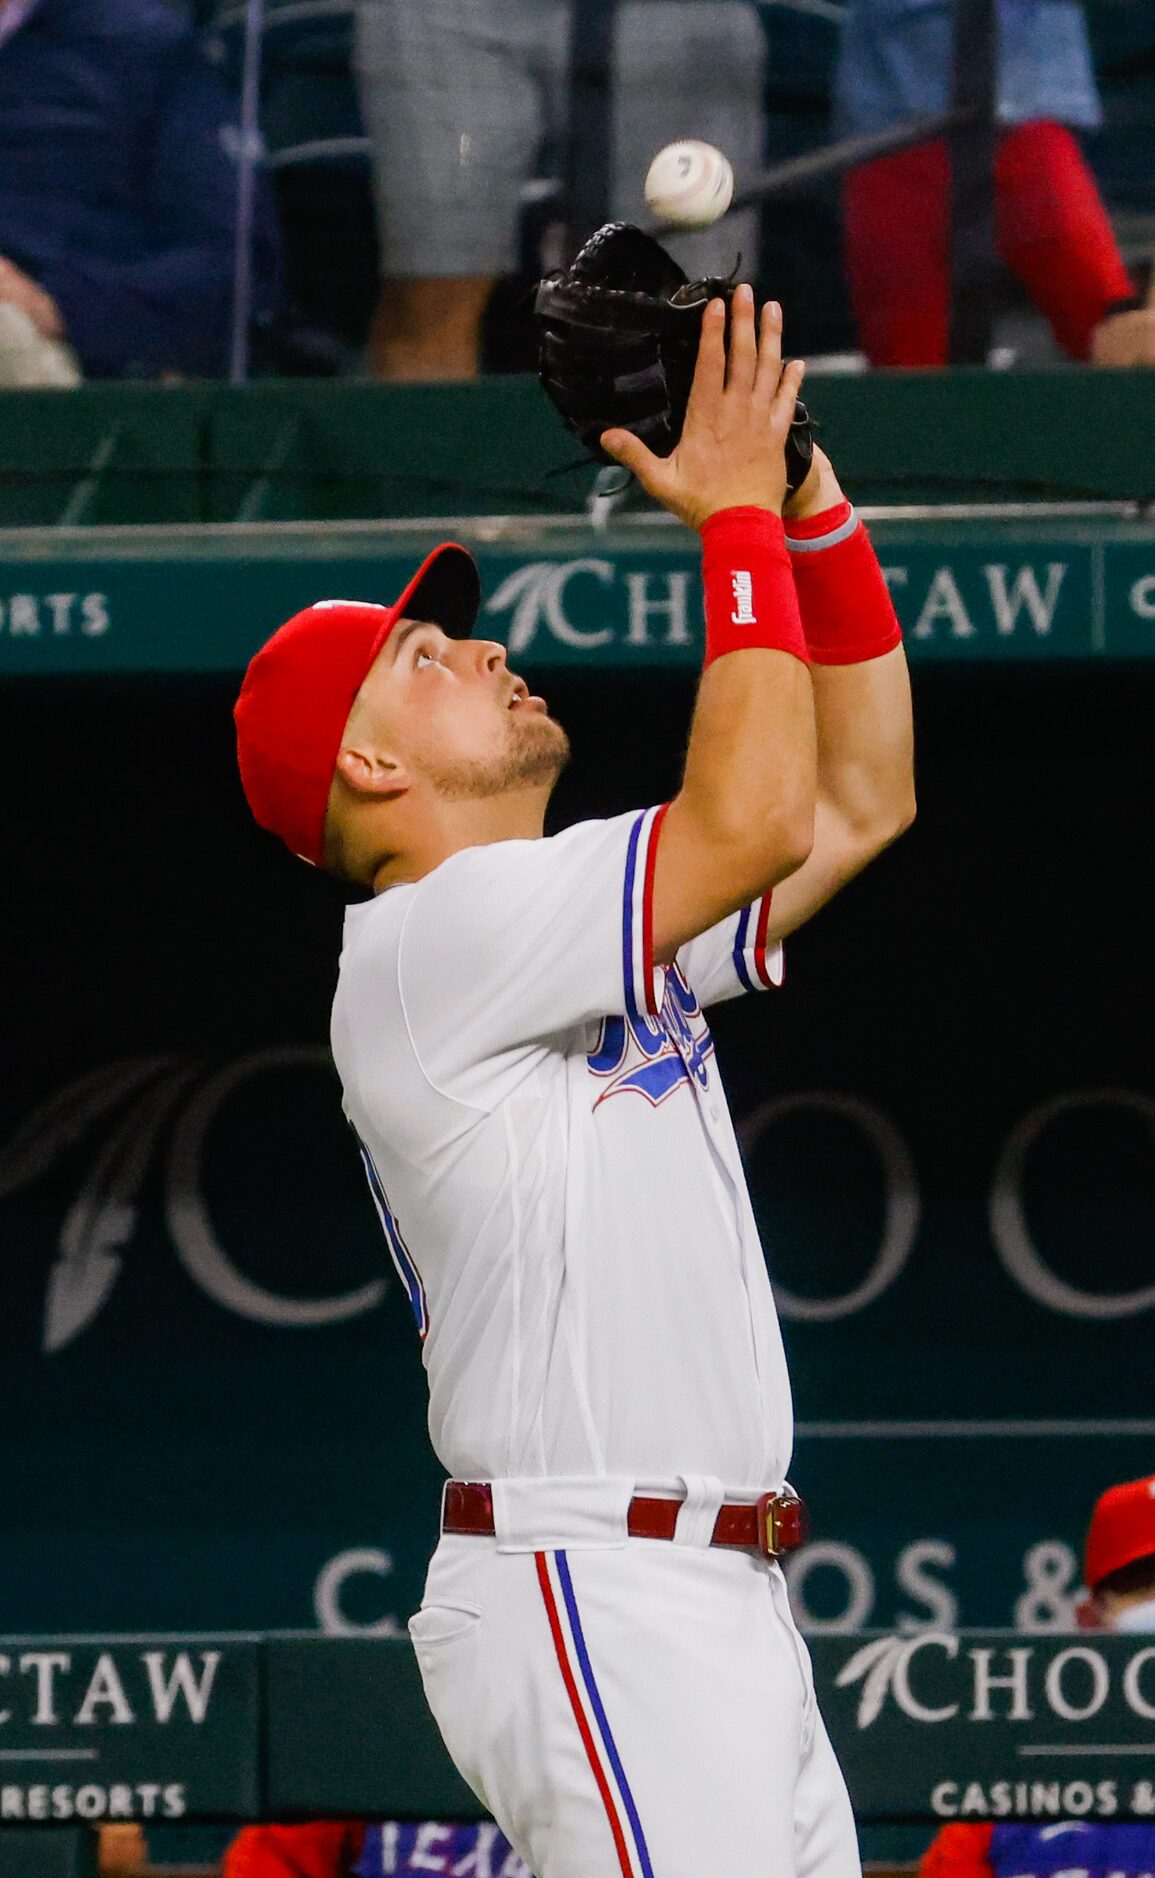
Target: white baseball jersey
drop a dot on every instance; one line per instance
(550, 1151)
(551, 1155)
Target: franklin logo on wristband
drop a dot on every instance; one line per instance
(732, 625)
(743, 585)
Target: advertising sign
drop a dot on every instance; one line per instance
(156, 1728)
(929, 1725)
(630, 599)
(943, 1725)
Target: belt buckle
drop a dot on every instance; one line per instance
(783, 1524)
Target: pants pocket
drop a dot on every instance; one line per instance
(447, 1642)
(442, 1623)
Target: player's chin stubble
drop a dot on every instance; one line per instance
(537, 752)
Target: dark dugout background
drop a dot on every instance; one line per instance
(182, 1447)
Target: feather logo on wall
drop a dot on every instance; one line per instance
(132, 1108)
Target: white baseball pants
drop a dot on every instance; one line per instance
(633, 1708)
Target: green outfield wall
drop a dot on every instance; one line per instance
(293, 450)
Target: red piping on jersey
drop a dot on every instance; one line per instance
(648, 910)
(551, 1612)
(760, 941)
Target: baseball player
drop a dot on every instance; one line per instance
(605, 1639)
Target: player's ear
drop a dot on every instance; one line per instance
(369, 772)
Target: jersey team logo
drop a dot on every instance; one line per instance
(652, 1057)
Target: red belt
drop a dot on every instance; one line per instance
(775, 1524)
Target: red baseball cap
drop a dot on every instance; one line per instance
(299, 689)
(1122, 1530)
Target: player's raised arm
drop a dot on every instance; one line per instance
(743, 819)
(861, 698)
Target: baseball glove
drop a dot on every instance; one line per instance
(619, 341)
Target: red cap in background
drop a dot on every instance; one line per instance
(299, 689)
(1122, 1530)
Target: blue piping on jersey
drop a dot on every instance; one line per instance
(739, 954)
(628, 918)
(398, 1250)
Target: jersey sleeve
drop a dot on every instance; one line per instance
(732, 957)
(504, 947)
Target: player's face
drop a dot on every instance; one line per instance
(457, 715)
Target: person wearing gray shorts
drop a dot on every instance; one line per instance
(459, 97)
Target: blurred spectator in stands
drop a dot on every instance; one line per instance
(1119, 1561)
(32, 351)
(1119, 1569)
(327, 1848)
(123, 1852)
(118, 188)
(1052, 228)
(1127, 337)
(460, 96)
(314, 154)
(349, 1849)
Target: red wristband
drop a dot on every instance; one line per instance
(751, 599)
(847, 612)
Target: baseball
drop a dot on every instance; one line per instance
(689, 184)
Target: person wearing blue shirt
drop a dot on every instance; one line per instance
(118, 187)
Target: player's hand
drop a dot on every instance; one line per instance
(731, 453)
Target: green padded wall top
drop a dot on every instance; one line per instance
(307, 449)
